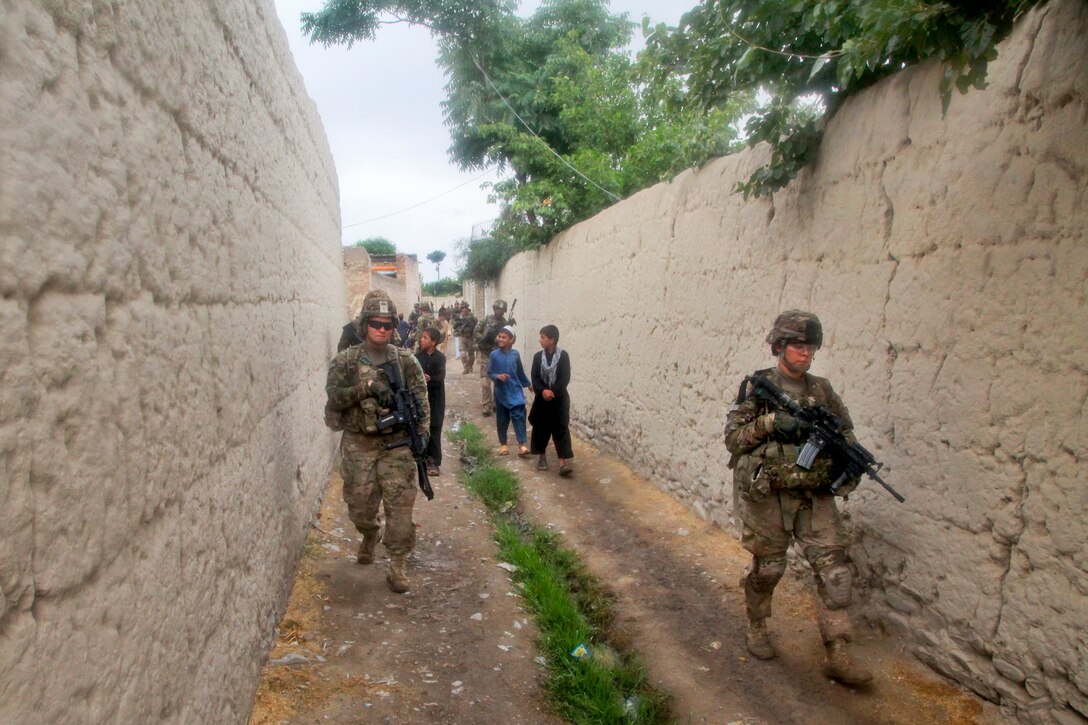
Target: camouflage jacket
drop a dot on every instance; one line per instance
(351, 406)
(486, 329)
(423, 322)
(465, 326)
(762, 459)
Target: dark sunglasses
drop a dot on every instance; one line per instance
(381, 325)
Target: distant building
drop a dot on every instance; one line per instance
(397, 274)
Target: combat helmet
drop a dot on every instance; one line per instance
(377, 304)
(795, 326)
(499, 305)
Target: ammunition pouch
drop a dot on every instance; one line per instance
(361, 418)
(772, 466)
(748, 478)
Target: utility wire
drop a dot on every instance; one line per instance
(419, 204)
(536, 135)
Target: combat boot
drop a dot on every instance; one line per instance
(759, 641)
(397, 578)
(842, 667)
(366, 548)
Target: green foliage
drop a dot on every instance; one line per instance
(377, 245)
(471, 438)
(442, 288)
(484, 258)
(554, 101)
(809, 56)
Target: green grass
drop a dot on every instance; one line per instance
(569, 605)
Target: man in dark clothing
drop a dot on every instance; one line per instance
(550, 416)
(349, 336)
(433, 363)
(403, 329)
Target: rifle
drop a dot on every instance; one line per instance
(511, 318)
(824, 431)
(406, 413)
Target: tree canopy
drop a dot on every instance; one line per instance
(557, 104)
(377, 245)
(553, 100)
(807, 57)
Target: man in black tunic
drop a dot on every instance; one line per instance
(433, 363)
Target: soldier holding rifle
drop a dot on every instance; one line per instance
(782, 498)
(376, 395)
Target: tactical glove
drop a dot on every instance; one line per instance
(381, 392)
(787, 426)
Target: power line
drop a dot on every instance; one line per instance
(536, 135)
(419, 204)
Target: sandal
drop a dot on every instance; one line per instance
(566, 471)
(432, 470)
(523, 451)
(542, 464)
(503, 450)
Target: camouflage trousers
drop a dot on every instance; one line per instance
(468, 353)
(770, 524)
(373, 478)
(487, 397)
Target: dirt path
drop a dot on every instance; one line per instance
(424, 657)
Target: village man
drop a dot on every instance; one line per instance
(359, 394)
(780, 502)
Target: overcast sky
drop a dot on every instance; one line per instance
(380, 104)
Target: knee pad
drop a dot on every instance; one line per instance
(766, 571)
(834, 579)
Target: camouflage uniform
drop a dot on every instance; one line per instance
(779, 501)
(466, 328)
(486, 330)
(425, 321)
(374, 476)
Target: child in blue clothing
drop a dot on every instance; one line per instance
(504, 367)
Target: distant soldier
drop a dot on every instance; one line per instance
(466, 329)
(486, 330)
(781, 502)
(359, 394)
(425, 321)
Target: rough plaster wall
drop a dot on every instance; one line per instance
(947, 259)
(170, 290)
(393, 287)
(412, 291)
(358, 274)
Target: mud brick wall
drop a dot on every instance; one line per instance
(171, 287)
(947, 257)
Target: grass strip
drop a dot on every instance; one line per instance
(569, 605)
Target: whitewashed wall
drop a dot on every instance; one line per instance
(947, 258)
(171, 287)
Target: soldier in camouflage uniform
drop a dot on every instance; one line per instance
(466, 329)
(359, 393)
(780, 502)
(425, 321)
(486, 330)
